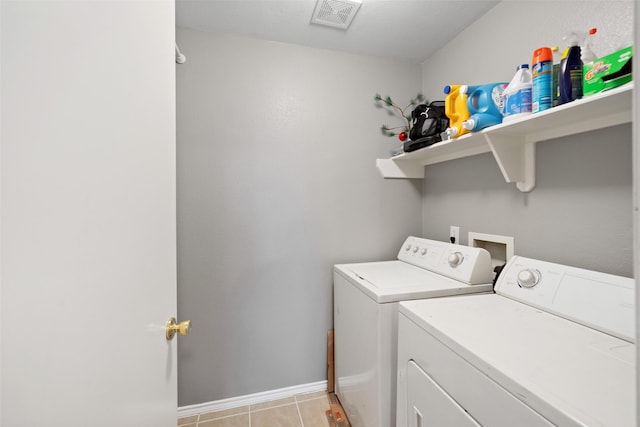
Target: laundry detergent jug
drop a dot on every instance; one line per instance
(455, 107)
(484, 104)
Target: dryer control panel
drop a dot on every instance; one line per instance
(464, 263)
(598, 300)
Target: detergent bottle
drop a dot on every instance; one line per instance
(516, 98)
(484, 103)
(570, 77)
(455, 107)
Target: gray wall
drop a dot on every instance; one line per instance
(276, 183)
(491, 48)
(580, 212)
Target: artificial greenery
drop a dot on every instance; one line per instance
(394, 109)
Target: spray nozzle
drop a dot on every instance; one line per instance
(573, 38)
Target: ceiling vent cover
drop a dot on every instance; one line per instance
(335, 13)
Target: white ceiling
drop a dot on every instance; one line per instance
(409, 30)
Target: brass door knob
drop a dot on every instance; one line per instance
(183, 328)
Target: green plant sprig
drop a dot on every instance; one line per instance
(393, 108)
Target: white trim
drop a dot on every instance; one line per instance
(636, 193)
(250, 399)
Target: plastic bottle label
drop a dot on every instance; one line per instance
(576, 82)
(542, 73)
(496, 96)
(517, 102)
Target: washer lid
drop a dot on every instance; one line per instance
(390, 281)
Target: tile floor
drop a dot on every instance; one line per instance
(305, 410)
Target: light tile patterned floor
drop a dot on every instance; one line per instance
(305, 410)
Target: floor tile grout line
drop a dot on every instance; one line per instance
(313, 398)
(225, 416)
(299, 415)
(250, 411)
(272, 407)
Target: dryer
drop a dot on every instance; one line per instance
(553, 346)
(366, 297)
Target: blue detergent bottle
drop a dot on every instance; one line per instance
(484, 103)
(570, 75)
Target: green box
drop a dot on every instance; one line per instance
(607, 72)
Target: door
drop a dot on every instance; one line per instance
(88, 236)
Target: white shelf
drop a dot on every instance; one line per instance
(513, 143)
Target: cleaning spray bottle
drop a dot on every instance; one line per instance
(455, 107)
(587, 53)
(542, 74)
(570, 77)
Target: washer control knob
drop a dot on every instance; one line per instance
(528, 278)
(423, 251)
(415, 249)
(406, 248)
(455, 259)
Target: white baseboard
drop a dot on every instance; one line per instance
(250, 399)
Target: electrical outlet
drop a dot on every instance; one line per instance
(454, 234)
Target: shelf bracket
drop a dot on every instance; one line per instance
(516, 158)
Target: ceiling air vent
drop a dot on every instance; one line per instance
(335, 13)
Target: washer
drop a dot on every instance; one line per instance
(366, 297)
(553, 346)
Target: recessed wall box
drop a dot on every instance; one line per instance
(501, 248)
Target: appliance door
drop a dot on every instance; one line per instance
(429, 405)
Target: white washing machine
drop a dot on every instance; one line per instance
(553, 346)
(366, 297)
